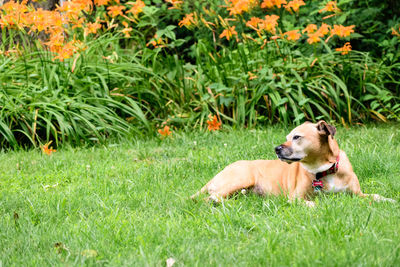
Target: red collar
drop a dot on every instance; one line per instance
(317, 183)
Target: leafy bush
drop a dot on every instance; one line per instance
(84, 72)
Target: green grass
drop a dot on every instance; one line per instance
(129, 203)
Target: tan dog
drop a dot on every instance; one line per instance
(310, 161)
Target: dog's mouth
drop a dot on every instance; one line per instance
(288, 160)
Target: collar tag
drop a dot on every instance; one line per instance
(317, 183)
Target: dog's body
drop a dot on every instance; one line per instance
(309, 149)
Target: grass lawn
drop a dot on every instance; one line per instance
(127, 204)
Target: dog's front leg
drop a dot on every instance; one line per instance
(301, 197)
(308, 203)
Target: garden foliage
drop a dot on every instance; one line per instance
(93, 69)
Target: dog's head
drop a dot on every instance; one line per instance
(309, 142)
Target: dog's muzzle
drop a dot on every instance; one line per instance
(284, 153)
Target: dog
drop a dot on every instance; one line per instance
(310, 162)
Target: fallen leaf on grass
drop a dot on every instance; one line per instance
(89, 253)
(16, 218)
(47, 186)
(170, 262)
(60, 247)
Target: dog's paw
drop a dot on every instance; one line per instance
(310, 204)
(379, 198)
(215, 199)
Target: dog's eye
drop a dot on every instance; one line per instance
(296, 137)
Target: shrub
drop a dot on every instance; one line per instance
(87, 71)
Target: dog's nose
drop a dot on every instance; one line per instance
(278, 149)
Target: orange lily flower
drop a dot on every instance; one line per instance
(345, 49)
(126, 30)
(137, 7)
(267, 4)
(91, 28)
(269, 23)
(165, 132)
(101, 2)
(187, 20)
(293, 35)
(314, 37)
(46, 149)
(324, 29)
(279, 3)
(310, 28)
(294, 5)
(114, 11)
(342, 31)
(175, 3)
(396, 33)
(155, 42)
(271, 3)
(239, 6)
(228, 33)
(252, 76)
(331, 6)
(254, 22)
(321, 32)
(213, 123)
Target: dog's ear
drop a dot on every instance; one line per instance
(329, 131)
(326, 129)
